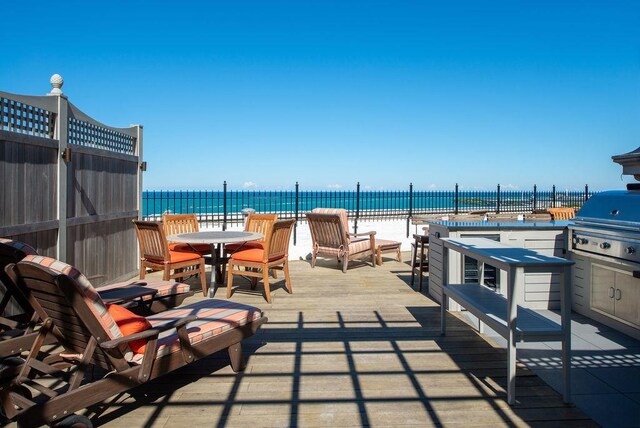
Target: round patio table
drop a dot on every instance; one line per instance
(216, 239)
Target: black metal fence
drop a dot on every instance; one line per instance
(222, 208)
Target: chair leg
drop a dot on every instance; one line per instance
(229, 278)
(313, 259)
(414, 250)
(166, 274)
(287, 278)
(143, 270)
(235, 355)
(421, 261)
(399, 255)
(265, 279)
(373, 258)
(203, 279)
(345, 263)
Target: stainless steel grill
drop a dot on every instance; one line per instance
(605, 244)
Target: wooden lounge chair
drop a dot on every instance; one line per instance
(258, 261)
(330, 236)
(168, 294)
(156, 255)
(97, 361)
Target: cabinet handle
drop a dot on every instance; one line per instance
(611, 292)
(618, 294)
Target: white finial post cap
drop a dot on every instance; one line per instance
(56, 83)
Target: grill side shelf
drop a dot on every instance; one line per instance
(491, 308)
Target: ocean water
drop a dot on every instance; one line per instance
(382, 203)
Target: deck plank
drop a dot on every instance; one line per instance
(353, 349)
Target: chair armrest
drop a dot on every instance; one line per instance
(355, 235)
(114, 343)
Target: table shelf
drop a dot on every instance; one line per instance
(490, 307)
(502, 314)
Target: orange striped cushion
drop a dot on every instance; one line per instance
(341, 211)
(214, 318)
(85, 289)
(20, 246)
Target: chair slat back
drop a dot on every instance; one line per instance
(70, 301)
(339, 211)
(562, 213)
(152, 240)
(277, 243)
(174, 224)
(327, 230)
(260, 223)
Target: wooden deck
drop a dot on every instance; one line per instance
(352, 349)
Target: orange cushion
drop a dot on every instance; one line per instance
(200, 248)
(251, 255)
(130, 323)
(178, 256)
(243, 246)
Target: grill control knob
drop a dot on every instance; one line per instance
(630, 250)
(605, 245)
(581, 241)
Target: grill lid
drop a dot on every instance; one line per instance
(614, 208)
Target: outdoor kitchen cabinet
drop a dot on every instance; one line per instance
(605, 290)
(541, 290)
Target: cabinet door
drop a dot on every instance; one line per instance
(602, 288)
(627, 298)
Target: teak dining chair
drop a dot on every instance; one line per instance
(155, 254)
(274, 255)
(259, 223)
(174, 224)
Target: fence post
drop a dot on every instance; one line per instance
(498, 201)
(586, 192)
(142, 166)
(535, 197)
(355, 223)
(554, 195)
(410, 207)
(64, 156)
(455, 210)
(224, 205)
(295, 227)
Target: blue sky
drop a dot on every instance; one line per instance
(328, 93)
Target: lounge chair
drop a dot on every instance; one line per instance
(168, 294)
(97, 361)
(330, 236)
(274, 254)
